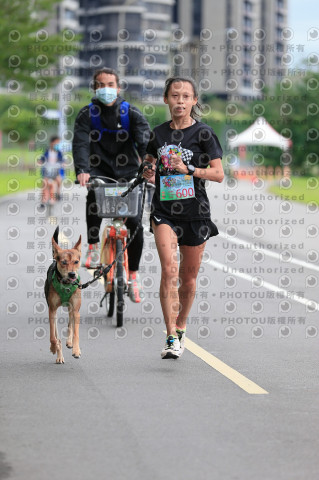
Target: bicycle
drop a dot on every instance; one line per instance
(112, 205)
(48, 196)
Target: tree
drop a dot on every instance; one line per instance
(292, 108)
(29, 54)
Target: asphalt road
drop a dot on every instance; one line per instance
(120, 411)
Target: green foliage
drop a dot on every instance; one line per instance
(292, 110)
(29, 56)
(302, 189)
(24, 114)
(18, 125)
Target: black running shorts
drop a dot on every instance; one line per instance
(191, 233)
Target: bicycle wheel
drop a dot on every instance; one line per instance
(120, 285)
(110, 301)
(107, 257)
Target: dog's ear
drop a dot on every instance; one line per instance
(56, 249)
(56, 234)
(77, 246)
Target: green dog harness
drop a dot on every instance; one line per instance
(64, 290)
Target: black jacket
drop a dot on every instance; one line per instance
(116, 155)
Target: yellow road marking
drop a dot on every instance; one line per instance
(221, 367)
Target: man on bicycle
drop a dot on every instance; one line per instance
(110, 139)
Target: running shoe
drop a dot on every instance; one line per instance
(133, 288)
(92, 257)
(172, 348)
(181, 337)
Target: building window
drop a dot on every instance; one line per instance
(133, 25)
(248, 6)
(278, 60)
(247, 37)
(156, 8)
(279, 32)
(279, 47)
(247, 54)
(175, 11)
(247, 22)
(69, 14)
(197, 17)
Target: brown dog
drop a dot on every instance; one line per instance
(62, 288)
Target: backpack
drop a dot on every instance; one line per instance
(124, 116)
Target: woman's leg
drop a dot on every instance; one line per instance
(52, 190)
(191, 258)
(45, 191)
(166, 243)
(58, 187)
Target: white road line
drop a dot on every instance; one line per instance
(245, 276)
(251, 246)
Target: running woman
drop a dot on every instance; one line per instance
(185, 153)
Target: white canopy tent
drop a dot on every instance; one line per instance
(260, 133)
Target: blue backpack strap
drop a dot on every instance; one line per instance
(124, 114)
(95, 117)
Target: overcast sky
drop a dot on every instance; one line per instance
(303, 19)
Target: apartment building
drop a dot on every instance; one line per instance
(233, 46)
(131, 36)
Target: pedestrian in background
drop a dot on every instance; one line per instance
(52, 164)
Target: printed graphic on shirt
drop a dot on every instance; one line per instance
(164, 155)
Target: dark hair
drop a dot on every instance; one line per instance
(194, 114)
(107, 70)
(54, 138)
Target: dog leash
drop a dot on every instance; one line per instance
(105, 270)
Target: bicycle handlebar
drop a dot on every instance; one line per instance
(98, 181)
(139, 179)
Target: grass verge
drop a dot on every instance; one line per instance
(299, 189)
(16, 181)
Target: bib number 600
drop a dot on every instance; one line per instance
(185, 192)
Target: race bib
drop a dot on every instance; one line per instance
(176, 187)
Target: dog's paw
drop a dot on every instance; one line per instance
(69, 344)
(76, 353)
(53, 348)
(59, 360)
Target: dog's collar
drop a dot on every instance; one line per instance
(64, 290)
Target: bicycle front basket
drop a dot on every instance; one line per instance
(111, 204)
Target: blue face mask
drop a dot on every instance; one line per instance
(57, 147)
(106, 95)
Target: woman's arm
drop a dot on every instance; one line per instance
(214, 174)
